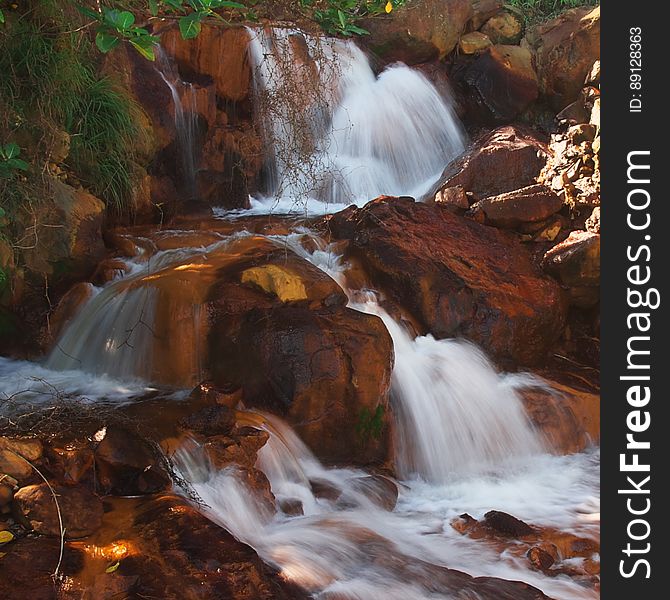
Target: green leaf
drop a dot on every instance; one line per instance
(225, 4)
(2, 17)
(91, 14)
(145, 48)
(189, 26)
(2, 212)
(125, 20)
(17, 163)
(358, 30)
(112, 568)
(105, 41)
(11, 150)
(153, 7)
(6, 536)
(343, 18)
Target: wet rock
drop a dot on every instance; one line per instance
(321, 369)
(567, 416)
(80, 509)
(291, 507)
(575, 262)
(507, 524)
(71, 461)
(540, 558)
(565, 49)
(109, 270)
(229, 395)
(456, 277)
(210, 421)
(418, 33)
(531, 204)
(474, 42)
(26, 572)
(503, 28)
(69, 306)
(322, 488)
(503, 81)
(380, 490)
(126, 464)
(506, 159)
(241, 449)
(205, 561)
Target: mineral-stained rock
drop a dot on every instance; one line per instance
(455, 276)
(80, 510)
(506, 159)
(503, 28)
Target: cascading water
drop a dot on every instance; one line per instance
(183, 95)
(339, 134)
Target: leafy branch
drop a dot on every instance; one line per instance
(10, 161)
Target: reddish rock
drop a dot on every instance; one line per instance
(109, 270)
(474, 43)
(456, 277)
(506, 159)
(80, 510)
(453, 196)
(71, 461)
(540, 558)
(419, 31)
(565, 49)
(567, 416)
(69, 306)
(503, 81)
(507, 524)
(531, 204)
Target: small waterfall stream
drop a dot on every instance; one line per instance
(338, 133)
(184, 100)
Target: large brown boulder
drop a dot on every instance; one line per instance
(565, 49)
(503, 82)
(503, 160)
(419, 31)
(455, 276)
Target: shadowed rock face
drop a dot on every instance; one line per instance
(455, 276)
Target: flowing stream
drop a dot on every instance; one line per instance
(463, 442)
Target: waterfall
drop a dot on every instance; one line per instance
(185, 117)
(338, 133)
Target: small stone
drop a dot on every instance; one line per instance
(507, 524)
(453, 196)
(474, 43)
(503, 28)
(540, 558)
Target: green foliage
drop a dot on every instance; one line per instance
(10, 163)
(50, 84)
(339, 17)
(534, 11)
(371, 424)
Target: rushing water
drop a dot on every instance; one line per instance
(463, 442)
(351, 135)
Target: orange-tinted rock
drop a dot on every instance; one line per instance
(565, 49)
(418, 32)
(503, 81)
(540, 558)
(568, 417)
(531, 204)
(483, 10)
(474, 42)
(71, 461)
(69, 306)
(506, 159)
(219, 53)
(109, 270)
(455, 276)
(80, 510)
